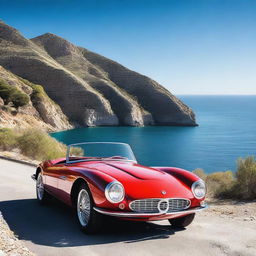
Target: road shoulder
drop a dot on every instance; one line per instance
(9, 244)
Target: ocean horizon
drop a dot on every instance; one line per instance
(226, 131)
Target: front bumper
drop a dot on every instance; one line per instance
(135, 215)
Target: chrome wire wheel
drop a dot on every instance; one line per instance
(40, 187)
(83, 207)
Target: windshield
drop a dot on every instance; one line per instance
(107, 151)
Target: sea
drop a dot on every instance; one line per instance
(226, 132)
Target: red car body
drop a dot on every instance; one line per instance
(140, 182)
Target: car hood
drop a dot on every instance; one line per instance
(144, 182)
(135, 171)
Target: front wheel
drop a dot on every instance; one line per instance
(89, 220)
(182, 222)
(41, 194)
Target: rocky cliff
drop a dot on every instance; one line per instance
(90, 89)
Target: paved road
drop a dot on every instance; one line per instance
(52, 229)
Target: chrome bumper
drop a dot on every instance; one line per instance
(148, 215)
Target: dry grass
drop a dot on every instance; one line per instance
(33, 143)
(7, 139)
(245, 187)
(40, 146)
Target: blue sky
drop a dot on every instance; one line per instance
(189, 46)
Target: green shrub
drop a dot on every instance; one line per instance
(6, 92)
(220, 183)
(11, 94)
(40, 146)
(35, 144)
(200, 173)
(38, 93)
(245, 187)
(7, 139)
(238, 185)
(38, 90)
(217, 183)
(19, 99)
(76, 151)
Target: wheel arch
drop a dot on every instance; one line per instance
(75, 188)
(38, 170)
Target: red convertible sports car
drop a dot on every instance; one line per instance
(104, 178)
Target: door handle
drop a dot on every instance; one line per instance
(63, 177)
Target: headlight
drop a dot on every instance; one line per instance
(198, 188)
(114, 192)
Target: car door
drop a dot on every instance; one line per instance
(51, 175)
(65, 181)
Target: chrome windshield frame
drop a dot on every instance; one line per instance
(99, 159)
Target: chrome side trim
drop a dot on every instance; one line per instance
(134, 214)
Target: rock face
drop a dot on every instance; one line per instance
(164, 107)
(90, 89)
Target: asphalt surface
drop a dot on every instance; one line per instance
(53, 230)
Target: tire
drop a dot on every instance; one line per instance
(182, 222)
(41, 195)
(89, 220)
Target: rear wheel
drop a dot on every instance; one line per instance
(41, 194)
(182, 222)
(89, 220)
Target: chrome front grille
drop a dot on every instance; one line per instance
(158, 205)
(178, 204)
(145, 205)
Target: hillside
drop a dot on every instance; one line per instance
(38, 111)
(89, 89)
